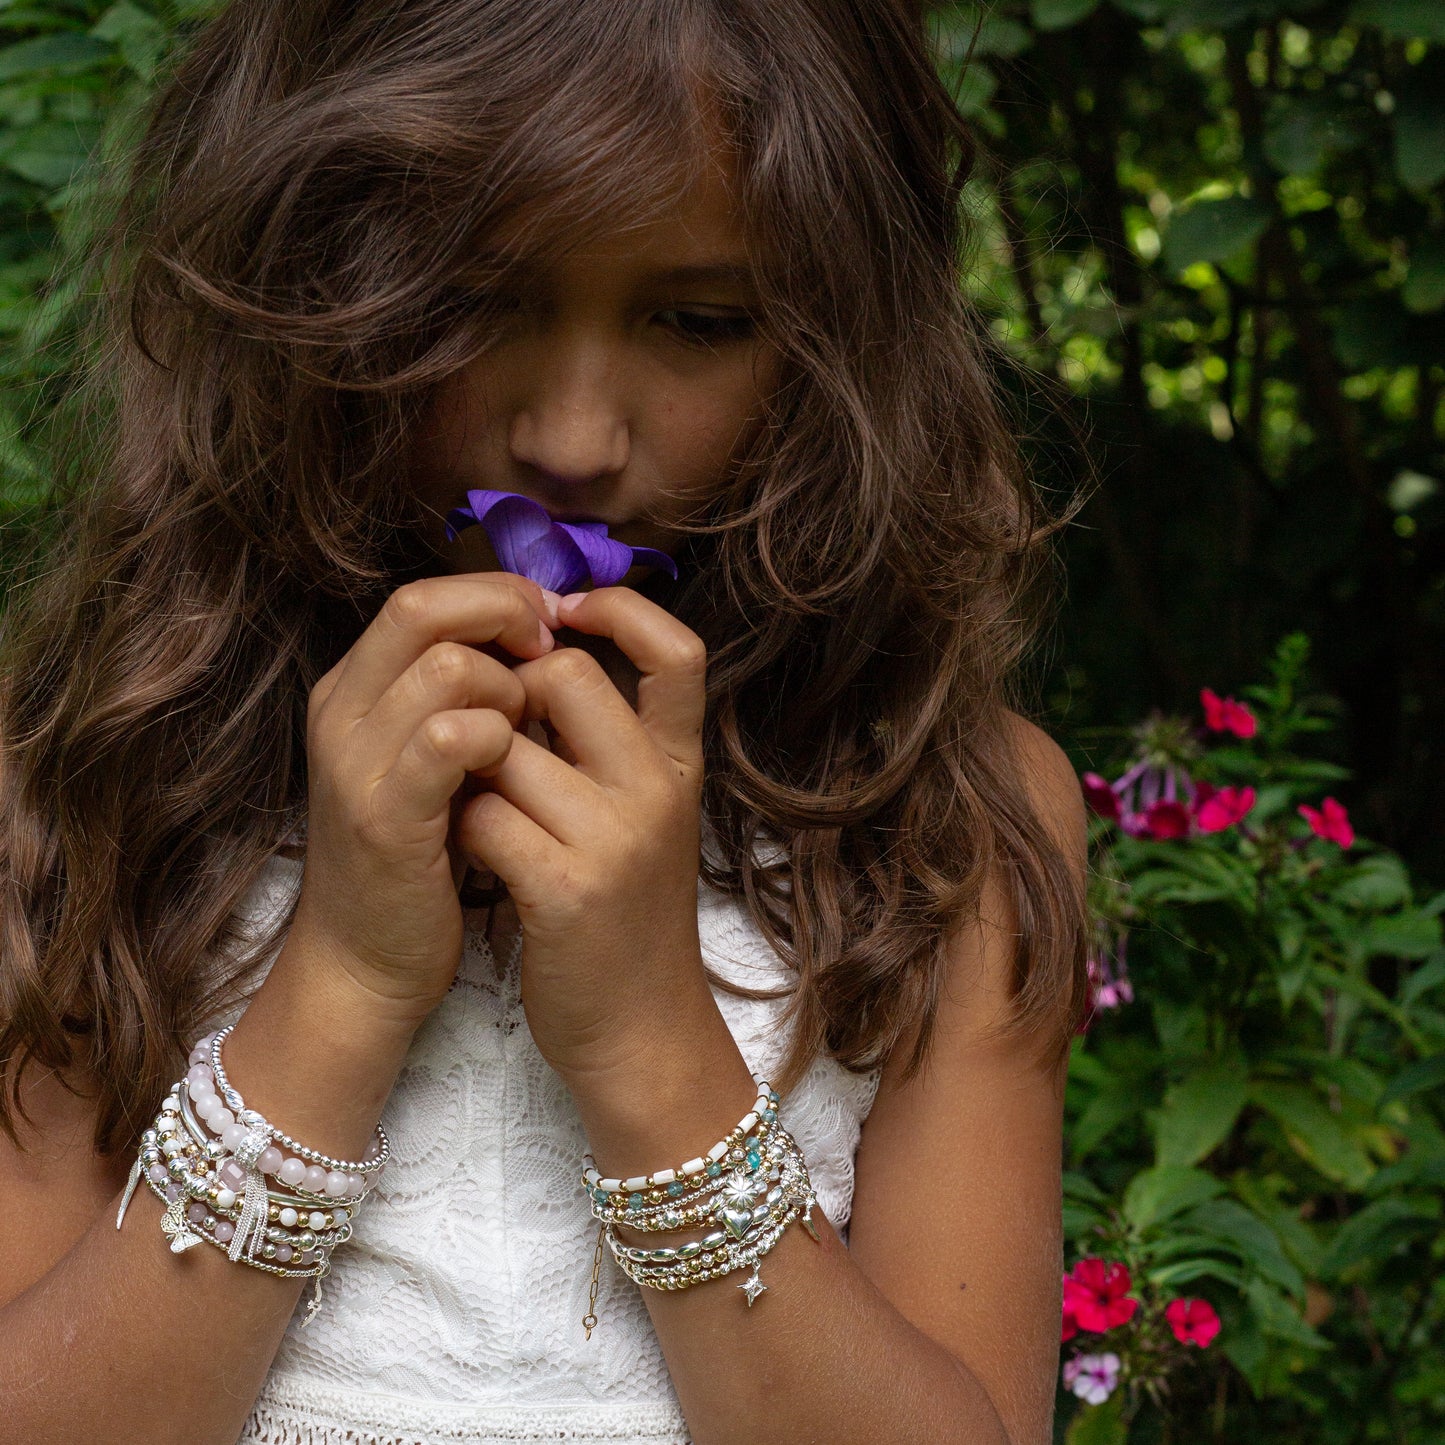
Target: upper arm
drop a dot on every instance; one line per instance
(970, 1251)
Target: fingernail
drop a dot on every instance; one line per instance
(565, 605)
(544, 633)
(549, 605)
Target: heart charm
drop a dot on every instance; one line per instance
(736, 1217)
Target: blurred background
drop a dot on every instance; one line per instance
(1213, 234)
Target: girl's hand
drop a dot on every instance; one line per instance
(601, 858)
(392, 732)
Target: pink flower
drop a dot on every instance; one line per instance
(1168, 818)
(1100, 796)
(1193, 1321)
(1071, 1325)
(1330, 821)
(1216, 809)
(1224, 715)
(1092, 1377)
(1095, 1293)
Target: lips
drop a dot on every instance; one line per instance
(559, 555)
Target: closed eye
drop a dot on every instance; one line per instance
(709, 328)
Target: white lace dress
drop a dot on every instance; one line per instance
(455, 1313)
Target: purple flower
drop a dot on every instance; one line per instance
(560, 556)
(1092, 1377)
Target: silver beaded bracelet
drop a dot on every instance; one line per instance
(753, 1183)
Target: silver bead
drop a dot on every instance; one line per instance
(177, 1168)
(215, 1149)
(250, 1118)
(148, 1136)
(306, 1239)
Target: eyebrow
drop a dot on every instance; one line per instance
(735, 272)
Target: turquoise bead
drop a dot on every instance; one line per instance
(714, 1168)
(635, 1202)
(754, 1159)
(674, 1188)
(770, 1115)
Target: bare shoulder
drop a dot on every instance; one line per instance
(1053, 785)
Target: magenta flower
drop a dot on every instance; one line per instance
(1329, 821)
(1220, 808)
(1193, 1321)
(1092, 1377)
(1224, 715)
(560, 556)
(1101, 797)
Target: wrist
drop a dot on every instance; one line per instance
(681, 1091)
(315, 1055)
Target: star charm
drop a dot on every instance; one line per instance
(752, 1286)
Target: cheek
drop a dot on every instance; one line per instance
(696, 430)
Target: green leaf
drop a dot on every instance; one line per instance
(65, 52)
(1278, 1317)
(1186, 1271)
(1421, 1075)
(1198, 1113)
(1379, 881)
(1160, 1193)
(1419, 127)
(1430, 974)
(49, 154)
(1060, 14)
(1379, 1230)
(1424, 288)
(1214, 231)
(1403, 19)
(1099, 1424)
(1314, 1132)
(1230, 1226)
(1411, 934)
(1303, 130)
(1101, 1116)
(140, 37)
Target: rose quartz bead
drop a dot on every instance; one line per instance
(202, 1092)
(373, 1149)
(283, 1254)
(307, 1256)
(197, 1212)
(225, 1231)
(234, 1135)
(355, 1183)
(314, 1181)
(173, 1192)
(200, 1072)
(232, 1175)
(292, 1171)
(158, 1173)
(336, 1184)
(270, 1160)
(219, 1117)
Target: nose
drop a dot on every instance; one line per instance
(571, 424)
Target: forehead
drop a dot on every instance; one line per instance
(690, 219)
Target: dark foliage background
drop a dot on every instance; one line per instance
(1213, 231)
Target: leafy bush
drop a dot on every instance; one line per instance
(1255, 1112)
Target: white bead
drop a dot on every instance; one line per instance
(233, 1136)
(664, 1176)
(718, 1150)
(316, 1219)
(289, 1217)
(339, 1217)
(225, 1198)
(610, 1185)
(694, 1166)
(638, 1181)
(747, 1123)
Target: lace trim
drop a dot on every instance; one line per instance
(295, 1412)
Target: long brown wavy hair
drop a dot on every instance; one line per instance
(291, 270)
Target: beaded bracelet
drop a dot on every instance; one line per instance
(182, 1159)
(768, 1171)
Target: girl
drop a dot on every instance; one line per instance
(536, 882)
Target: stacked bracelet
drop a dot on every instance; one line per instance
(750, 1186)
(209, 1163)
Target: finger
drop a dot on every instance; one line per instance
(439, 754)
(553, 794)
(476, 608)
(447, 676)
(499, 836)
(670, 656)
(570, 690)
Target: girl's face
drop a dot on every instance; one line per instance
(624, 380)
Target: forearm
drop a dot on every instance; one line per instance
(124, 1341)
(822, 1355)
